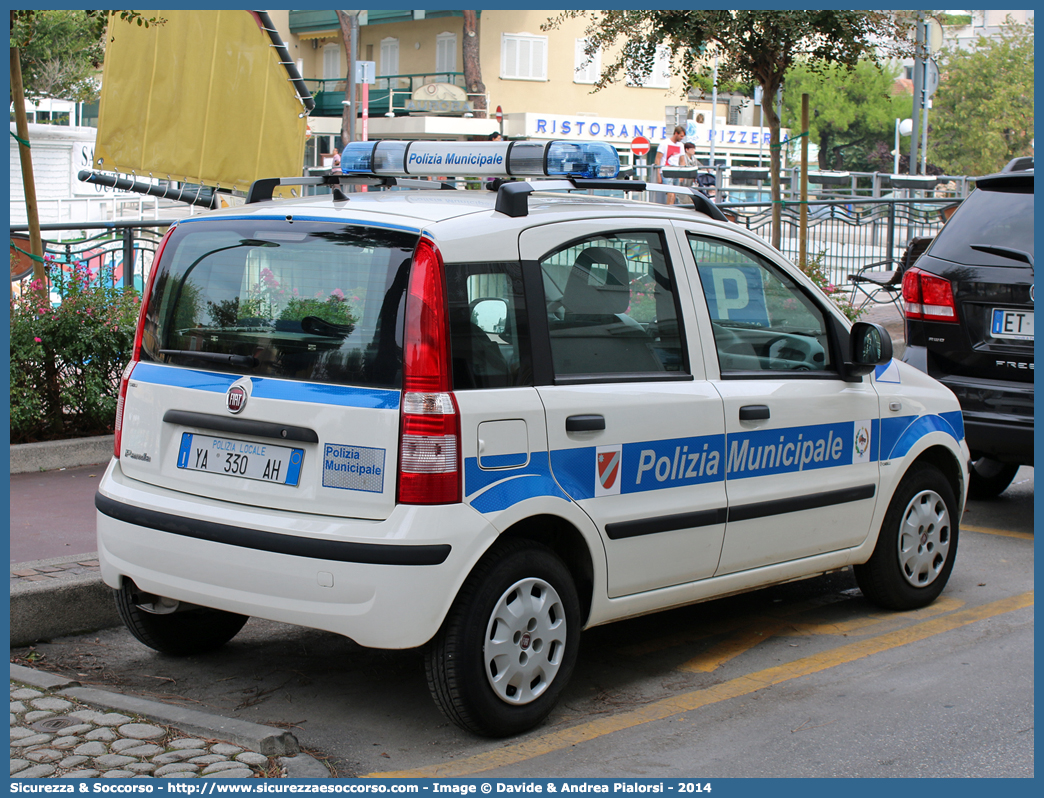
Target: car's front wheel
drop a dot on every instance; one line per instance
(990, 478)
(509, 643)
(917, 544)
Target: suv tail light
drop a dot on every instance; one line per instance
(429, 448)
(928, 297)
(136, 350)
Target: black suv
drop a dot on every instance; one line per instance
(969, 323)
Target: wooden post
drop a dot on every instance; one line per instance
(28, 182)
(803, 224)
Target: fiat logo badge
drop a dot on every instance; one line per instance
(235, 399)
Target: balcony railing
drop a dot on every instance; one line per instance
(389, 94)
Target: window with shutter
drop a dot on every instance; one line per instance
(523, 57)
(332, 62)
(586, 70)
(445, 56)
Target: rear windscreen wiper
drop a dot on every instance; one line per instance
(215, 357)
(1004, 252)
(316, 326)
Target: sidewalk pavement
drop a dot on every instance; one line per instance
(60, 729)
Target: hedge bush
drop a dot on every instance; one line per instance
(67, 358)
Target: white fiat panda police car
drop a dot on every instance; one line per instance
(482, 421)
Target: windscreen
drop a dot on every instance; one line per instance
(310, 301)
(985, 219)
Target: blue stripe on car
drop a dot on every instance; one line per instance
(263, 388)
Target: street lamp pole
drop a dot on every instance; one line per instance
(902, 128)
(918, 88)
(714, 109)
(352, 58)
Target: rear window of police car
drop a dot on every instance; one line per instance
(303, 300)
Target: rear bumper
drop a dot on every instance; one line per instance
(998, 417)
(1004, 442)
(384, 584)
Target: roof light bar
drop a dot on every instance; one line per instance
(586, 159)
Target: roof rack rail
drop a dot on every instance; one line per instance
(513, 197)
(261, 190)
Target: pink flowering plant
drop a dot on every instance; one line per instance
(67, 358)
(815, 270)
(271, 299)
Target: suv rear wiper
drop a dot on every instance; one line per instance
(216, 357)
(1004, 252)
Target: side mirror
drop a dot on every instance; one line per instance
(869, 346)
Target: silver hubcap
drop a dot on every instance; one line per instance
(924, 538)
(525, 641)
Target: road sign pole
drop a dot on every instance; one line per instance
(639, 146)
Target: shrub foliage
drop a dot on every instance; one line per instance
(67, 357)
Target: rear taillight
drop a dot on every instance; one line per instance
(429, 449)
(124, 380)
(928, 297)
(136, 350)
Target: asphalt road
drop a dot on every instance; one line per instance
(800, 680)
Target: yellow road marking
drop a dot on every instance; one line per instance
(732, 647)
(727, 625)
(1007, 533)
(940, 606)
(513, 753)
(748, 635)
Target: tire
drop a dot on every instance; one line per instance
(990, 478)
(509, 643)
(180, 634)
(917, 544)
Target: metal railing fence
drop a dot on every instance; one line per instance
(847, 235)
(118, 255)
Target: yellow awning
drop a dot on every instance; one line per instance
(334, 33)
(199, 99)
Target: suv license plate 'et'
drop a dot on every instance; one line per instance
(1016, 324)
(260, 461)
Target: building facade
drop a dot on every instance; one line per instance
(542, 81)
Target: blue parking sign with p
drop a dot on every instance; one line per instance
(735, 292)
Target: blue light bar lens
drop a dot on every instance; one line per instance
(357, 157)
(590, 159)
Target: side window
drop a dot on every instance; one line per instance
(763, 321)
(612, 307)
(489, 333)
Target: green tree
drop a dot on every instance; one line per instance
(852, 110)
(982, 112)
(61, 50)
(752, 45)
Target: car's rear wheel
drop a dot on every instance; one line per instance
(990, 478)
(168, 629)
(509, 643)
(917, 544)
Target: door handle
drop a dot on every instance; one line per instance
(585, 423)
(753, 412)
